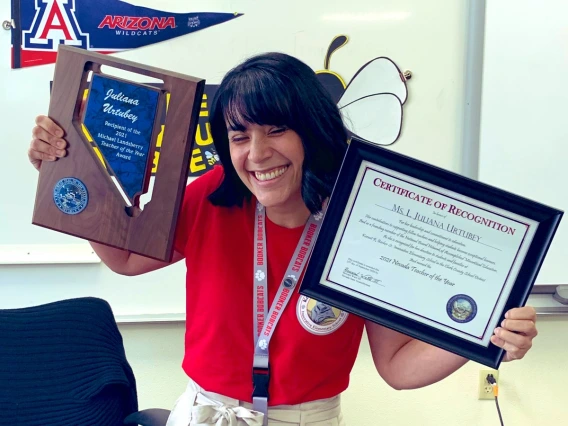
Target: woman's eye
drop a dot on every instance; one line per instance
(237, 139)
(278, 131)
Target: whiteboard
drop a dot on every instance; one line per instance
(523, 134)
(427, 38)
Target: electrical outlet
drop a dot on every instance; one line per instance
(485, 390)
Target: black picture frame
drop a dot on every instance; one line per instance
(548, 219)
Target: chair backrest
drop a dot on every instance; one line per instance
(64, 363)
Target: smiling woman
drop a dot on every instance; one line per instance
(275, 100)
(268, 160)
(281, 140)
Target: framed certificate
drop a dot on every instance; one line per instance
(427, 252)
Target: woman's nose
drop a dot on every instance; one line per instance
(259, 149)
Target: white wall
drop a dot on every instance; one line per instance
(532, 392)
(524, 109)
(430, 42)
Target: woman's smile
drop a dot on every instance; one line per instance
(270, 175)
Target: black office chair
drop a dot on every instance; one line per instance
(148, 417)
(64, 363)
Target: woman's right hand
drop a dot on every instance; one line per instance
(47, 143)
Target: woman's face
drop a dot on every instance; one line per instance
(268, 159)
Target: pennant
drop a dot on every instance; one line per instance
(103, 26)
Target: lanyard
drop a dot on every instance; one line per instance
(265, 321)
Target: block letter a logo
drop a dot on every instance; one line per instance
(54, 23)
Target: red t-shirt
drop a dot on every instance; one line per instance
(219, 343)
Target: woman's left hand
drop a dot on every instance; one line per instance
(516, 333)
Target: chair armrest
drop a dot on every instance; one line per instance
(148, 417)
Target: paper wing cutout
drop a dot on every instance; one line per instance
(372, 102)
(375, 118)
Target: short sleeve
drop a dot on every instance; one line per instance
(194, 201)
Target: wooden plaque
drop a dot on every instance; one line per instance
(112, 127)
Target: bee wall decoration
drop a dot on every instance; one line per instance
(372, 102)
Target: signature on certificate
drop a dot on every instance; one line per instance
(348, 273)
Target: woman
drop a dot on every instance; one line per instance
(281, 141)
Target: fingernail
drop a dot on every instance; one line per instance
(503, 323)
(60, 152)
(60, 144)
(507, 314)
(59, 133)
(497, 330)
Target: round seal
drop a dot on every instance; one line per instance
(461, 308)
(318, 317)
(70, 195)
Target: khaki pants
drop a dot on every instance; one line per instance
(197, 407)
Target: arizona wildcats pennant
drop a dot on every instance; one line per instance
(104, 26)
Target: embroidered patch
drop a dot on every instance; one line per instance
(318, 317)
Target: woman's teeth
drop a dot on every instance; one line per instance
(270, 175)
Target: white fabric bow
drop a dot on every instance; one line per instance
(222, 415)
(207, 412)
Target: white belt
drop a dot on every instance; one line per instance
(196, 407)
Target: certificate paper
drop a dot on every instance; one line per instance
(427, 253)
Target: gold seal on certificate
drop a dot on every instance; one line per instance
(427, 252)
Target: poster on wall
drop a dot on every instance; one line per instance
(103, 26)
